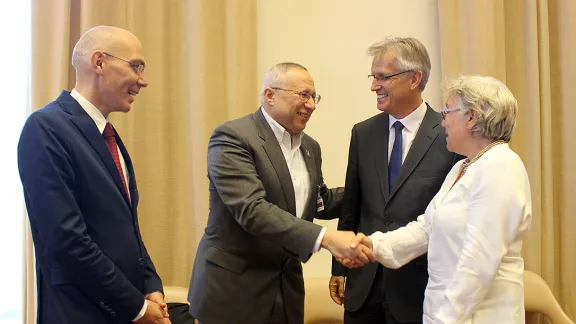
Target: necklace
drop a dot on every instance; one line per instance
(468, 162)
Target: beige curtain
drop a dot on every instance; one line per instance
(201, 66)
(529, 44)
(28, 277)
(202, 69)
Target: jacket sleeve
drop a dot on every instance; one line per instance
(332, 197)
(396, 248)
(351, 201)
(47, 174)
(152, 282)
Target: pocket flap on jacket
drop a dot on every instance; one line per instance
(226, 260)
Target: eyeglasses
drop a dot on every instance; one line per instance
(445, 111)
(382, 77)
(139, 68)
(304, 96)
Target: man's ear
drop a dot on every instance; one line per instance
(416, 80)
(269, 96)
(97, 62)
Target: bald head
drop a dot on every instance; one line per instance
(102, 38)
(109, 68)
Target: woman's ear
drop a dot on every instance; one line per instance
(472, 118)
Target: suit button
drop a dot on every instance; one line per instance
(113, 314)
(387, 223)
(141, 261)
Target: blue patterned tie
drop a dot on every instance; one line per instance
(396, 156)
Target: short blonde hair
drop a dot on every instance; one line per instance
(493, 102)
(410, 53)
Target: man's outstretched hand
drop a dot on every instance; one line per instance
(347, 247)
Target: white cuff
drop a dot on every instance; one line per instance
(319, 240)
(378, 245)
(383, 250)
(142, 312)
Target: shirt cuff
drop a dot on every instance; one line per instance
(379, 246)
(142, 312)
(319, 240)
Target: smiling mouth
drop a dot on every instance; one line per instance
(307, 116)
(382, 96)
(132, 93)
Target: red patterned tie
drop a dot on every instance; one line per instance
(110, 138)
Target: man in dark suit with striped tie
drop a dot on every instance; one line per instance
(80, 191)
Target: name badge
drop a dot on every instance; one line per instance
(319, 203)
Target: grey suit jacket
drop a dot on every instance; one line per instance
(253, 244)
(370, 206)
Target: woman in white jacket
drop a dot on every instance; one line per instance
(474, 226)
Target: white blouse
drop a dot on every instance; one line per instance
(473, 235)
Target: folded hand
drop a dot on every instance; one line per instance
(158, 298)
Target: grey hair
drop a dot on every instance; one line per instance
(81, 49)
(274, 76)
(492, 101)
(410, 53)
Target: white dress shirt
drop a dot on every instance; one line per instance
(411, 125)
(299, 174)
(100, 122)
(473, 234)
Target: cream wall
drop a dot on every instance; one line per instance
(330, 38)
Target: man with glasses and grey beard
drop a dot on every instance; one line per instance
(266, 188)
(397, 162)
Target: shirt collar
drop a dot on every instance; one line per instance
(412, 121)
(280, 132)
(91, 110)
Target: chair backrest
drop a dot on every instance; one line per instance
(175, 294)
(318, 306)
(538, 298)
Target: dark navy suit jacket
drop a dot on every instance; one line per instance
(92, 265)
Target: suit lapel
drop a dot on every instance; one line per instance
(380, 149)
(310, 160)
(427, 134)
(88, 128)
(276, 157)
